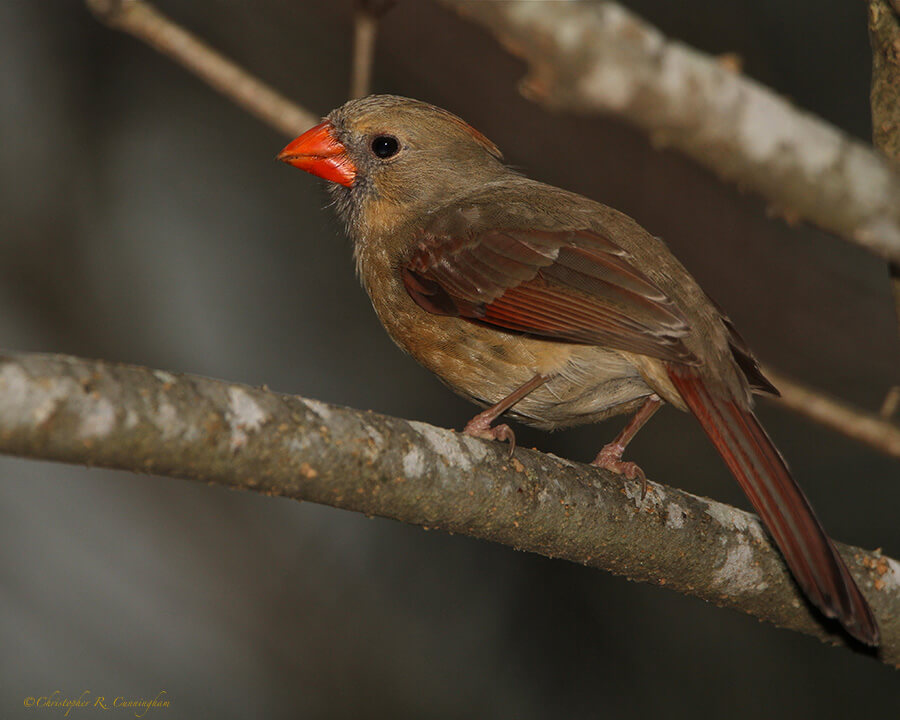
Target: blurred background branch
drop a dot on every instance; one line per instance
(884, 36)
(138, 419)
(146, 23)
(600, 57)
(873, 430)
(365, 30)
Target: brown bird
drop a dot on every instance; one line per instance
(550, 307)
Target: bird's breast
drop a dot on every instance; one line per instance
(484, 364)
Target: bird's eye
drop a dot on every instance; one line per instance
(385, 146)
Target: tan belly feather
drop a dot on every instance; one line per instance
(586, 384)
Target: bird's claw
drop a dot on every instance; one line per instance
(610, 458)
(483, 430)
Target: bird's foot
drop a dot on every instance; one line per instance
(480, 427)
(610, 458)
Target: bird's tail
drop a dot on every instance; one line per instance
(767, 482)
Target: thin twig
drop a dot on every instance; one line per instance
(365, 31)
(868, 428)
(365, 28)
(131, 418)
(891, 403)
(149, 25)
(600, 57)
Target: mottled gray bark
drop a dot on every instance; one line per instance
(132, 418)
(600, 57)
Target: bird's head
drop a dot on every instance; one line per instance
(390, 159)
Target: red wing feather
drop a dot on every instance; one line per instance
(573, 286)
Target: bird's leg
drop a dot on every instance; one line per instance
(610, 457)
(480, 425)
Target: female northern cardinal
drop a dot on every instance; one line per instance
(558, 310)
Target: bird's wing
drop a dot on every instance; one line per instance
(574, 285)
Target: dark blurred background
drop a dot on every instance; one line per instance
(143, 219)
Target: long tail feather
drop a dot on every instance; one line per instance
(767, 482)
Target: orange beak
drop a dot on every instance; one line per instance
(318, 152)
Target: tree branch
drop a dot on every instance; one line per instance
(884, 37)
(132, 418)
(599, 57)
(891, 403)
(365, 30)
(148, 24)
(870, 429)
